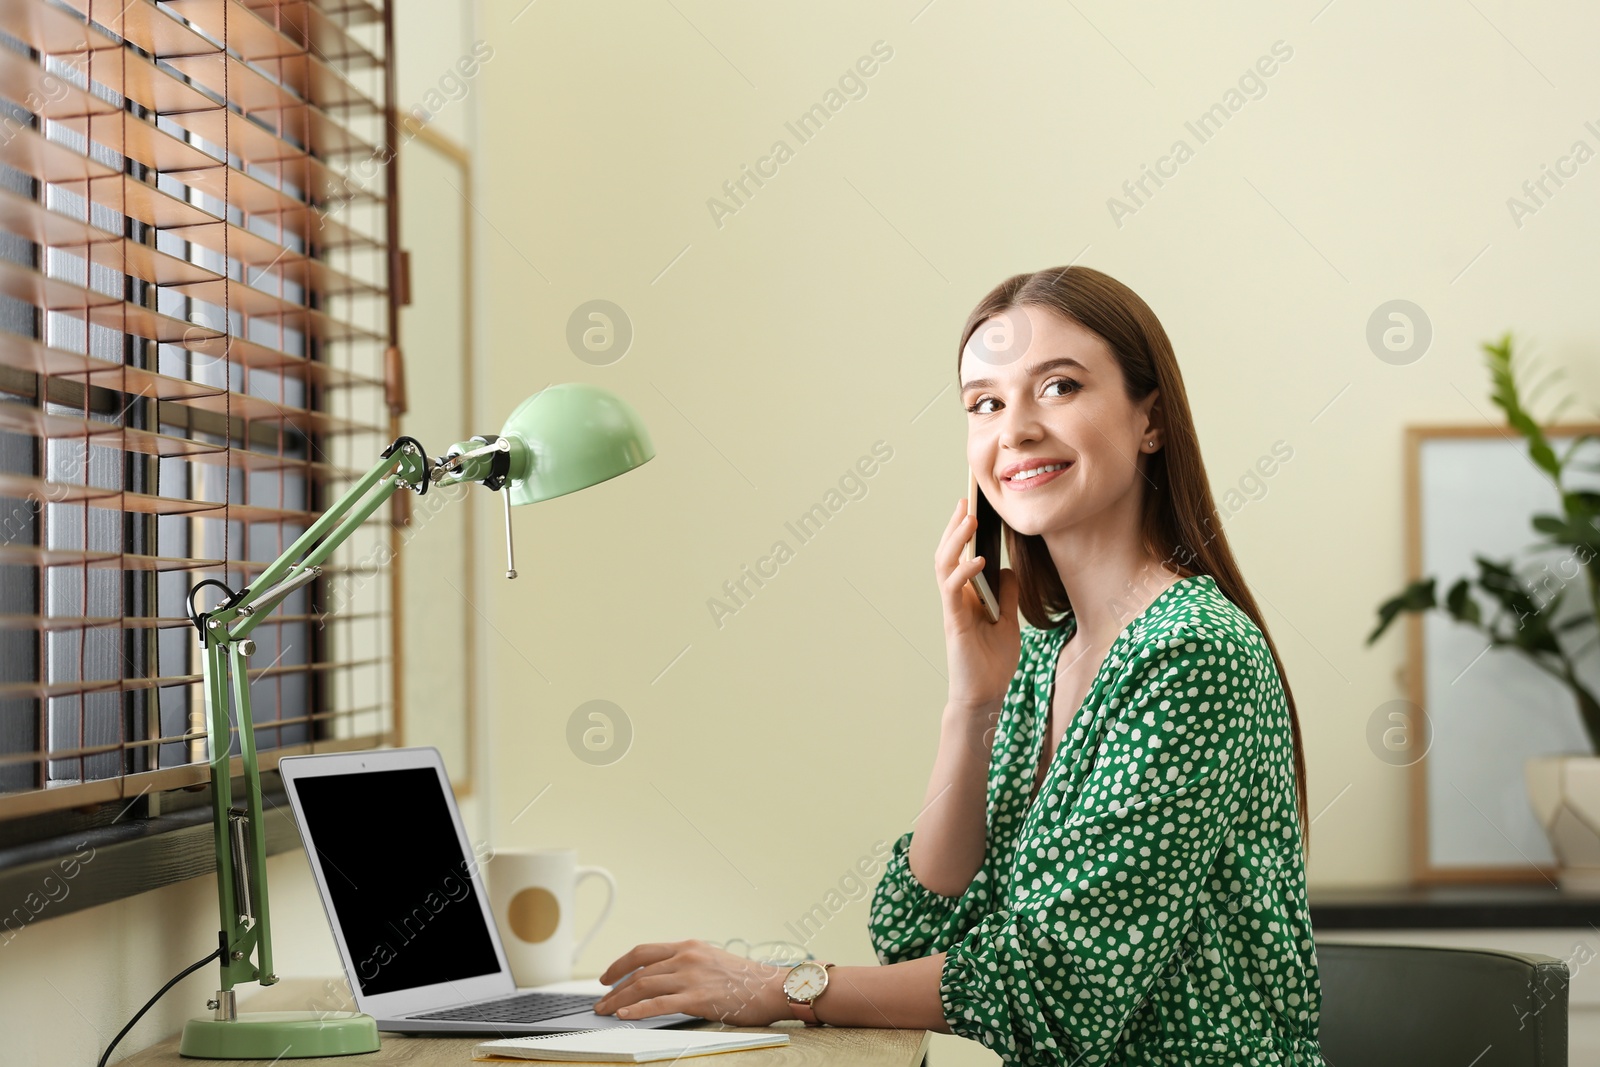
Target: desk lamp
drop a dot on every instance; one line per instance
(564, 438)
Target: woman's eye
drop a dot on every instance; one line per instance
(977, 407)
(1074, 386)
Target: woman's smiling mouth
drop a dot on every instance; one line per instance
(1032, 475)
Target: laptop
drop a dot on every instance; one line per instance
(405, 897)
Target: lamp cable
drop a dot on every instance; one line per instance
(199, 618)
(217, 953)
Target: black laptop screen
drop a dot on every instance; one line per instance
(397, 879)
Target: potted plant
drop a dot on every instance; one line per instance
(1564, 789)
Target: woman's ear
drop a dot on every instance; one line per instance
(1154, 431)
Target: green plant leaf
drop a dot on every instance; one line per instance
(1578, 442)
(1418, 596)
(1506, 396)
(1532, 633)
(1574, 532)
(1461, 605)
(1583, 514)
(1554, 525)
(1498, 581)
(1499, 570)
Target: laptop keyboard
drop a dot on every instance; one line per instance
(525, 1008)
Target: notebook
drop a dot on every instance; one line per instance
(622, 1045)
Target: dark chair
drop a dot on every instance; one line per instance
(1425, 1006)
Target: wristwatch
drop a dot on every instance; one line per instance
(803, 984)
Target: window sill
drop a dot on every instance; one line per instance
(100, 864)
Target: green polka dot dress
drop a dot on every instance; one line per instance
(1150, 907)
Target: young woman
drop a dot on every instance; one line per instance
(1109, 866)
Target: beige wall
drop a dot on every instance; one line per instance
(821, 317)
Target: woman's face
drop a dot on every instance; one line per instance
(1041, 391)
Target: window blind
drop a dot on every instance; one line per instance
(195, 310)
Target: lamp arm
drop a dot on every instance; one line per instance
(404, 465)
(239, 834)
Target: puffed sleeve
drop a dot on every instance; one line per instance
(1117, 868)
(908, 920)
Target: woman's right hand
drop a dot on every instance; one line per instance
(982, 655)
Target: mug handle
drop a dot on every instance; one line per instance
(605, 912)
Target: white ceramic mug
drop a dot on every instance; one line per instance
(532, 892)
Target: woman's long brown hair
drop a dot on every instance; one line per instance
(1178, 517)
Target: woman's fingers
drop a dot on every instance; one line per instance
(963, 572)
(635, 957)
(953, 543)
(658, 1006)
(959, 576)
(694, 978)
(957, 517)
(637, 989)
(665, 966)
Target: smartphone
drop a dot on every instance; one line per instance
(986, 543)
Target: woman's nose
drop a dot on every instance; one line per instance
(1019, 424)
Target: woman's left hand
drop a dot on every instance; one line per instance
(694, 978)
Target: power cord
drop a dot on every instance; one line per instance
(199, 618)
(187, 971)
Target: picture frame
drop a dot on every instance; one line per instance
(1473, 490)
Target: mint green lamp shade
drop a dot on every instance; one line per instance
(570, 436)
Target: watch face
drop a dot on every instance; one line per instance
(806, 981)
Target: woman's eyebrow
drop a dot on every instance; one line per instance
(1032, 370)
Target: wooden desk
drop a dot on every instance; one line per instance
(822, 1046)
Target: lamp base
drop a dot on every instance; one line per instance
(274, 1035)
